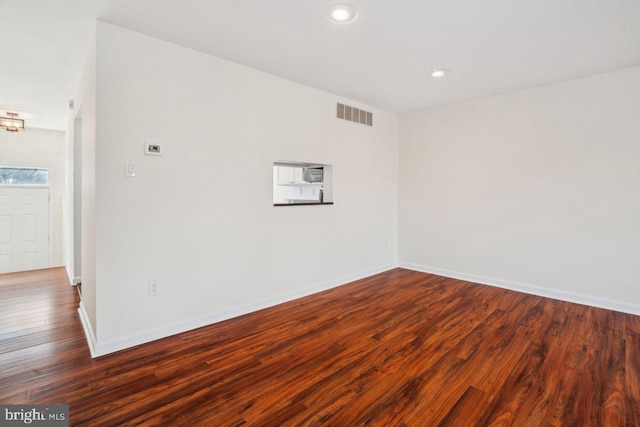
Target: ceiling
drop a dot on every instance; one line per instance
(382, 59)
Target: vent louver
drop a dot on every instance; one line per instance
(352, 114)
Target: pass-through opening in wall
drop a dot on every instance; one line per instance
(302, 183)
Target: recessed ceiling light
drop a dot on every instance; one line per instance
(439, 72)
(341, 13)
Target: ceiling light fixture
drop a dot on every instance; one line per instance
(11, 123)
(341, 13)
(439, 72)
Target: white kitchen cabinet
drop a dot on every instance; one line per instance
(289, 175)
(285, 175)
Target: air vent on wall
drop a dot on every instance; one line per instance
(353, 114)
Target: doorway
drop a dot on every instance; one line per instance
(25, 239)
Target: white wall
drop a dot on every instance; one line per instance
(537, 190)
(40, 148)
(84, 101)
(199, 219)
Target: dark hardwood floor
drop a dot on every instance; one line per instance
(399, 348)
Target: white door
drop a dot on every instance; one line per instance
(24, 228)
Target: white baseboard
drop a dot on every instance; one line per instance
(69, 276)
(107, 347)
(72, 280)
(530, 289)
(88, 330)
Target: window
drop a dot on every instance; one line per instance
(299, 183)
(23, 176)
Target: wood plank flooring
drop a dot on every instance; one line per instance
(401, 348)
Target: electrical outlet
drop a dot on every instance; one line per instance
(154, 288)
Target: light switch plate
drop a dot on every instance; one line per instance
(129, 168)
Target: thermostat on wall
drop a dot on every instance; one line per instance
(152, 149)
